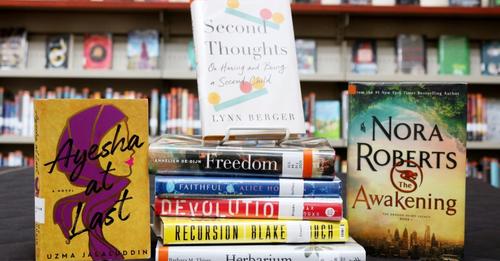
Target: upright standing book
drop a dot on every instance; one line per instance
(406, 171)
(246, 63)
(306, 55)
(13, 48)
(364, 57)
(98, 51)
(490, 58)
(143, 50)
(57, 51)
(91, 180)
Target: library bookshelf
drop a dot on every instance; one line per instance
(333, 27)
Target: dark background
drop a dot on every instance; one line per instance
(17, 218)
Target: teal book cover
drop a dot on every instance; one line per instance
(327, 119)
(406, 169)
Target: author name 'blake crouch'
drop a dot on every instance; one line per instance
(246, 64)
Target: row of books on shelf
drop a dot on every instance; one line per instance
(15, 159)
(411, 55)
(143, 49)
(178, 112)
(483, 117)
(485, 170)
(425, 3)
(244, 195)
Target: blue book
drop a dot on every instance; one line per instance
(495, 176)
(204, 186)
(163, 114)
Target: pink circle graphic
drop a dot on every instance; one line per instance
(245, 87)
(266, 14)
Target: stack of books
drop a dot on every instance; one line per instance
(248, 192)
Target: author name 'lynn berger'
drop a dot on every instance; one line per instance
(253, 117)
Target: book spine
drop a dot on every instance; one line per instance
(255, 231)
(39, 202)
(1, 109)
(306, 163)
(270, 252)
(495, 175)
(329, 209)
(194, 186)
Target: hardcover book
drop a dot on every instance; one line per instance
(13, 48)
(411, 54)
(349, 251)
(364, 57)
(490, 58)
(327, 119)
(407, 158)
(193, 186)
(57, 51)
(266, 208)
(246, 62)
(98, 51)
(180, 231)
(91, 180)
(454, 55)
(306, 56)
(296, 158)
(143, 50)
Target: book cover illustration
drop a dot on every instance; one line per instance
(329, 209)
(202, 186)
(57, 51)
(179, 231)
(364, 57)
(327, 119)
(411, 54)
(91, 180)
(246, 57)
(143, 50)
(13, 48)
(348, 251)
(454, 55)
(98, 51)
(465, 3)
(407, 159)
(490, 58)
(295, 158)
(306, 56)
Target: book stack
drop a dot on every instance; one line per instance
(15, 159)
(483, 117)
(243, 193)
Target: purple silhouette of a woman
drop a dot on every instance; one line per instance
(86, 128)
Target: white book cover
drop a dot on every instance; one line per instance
(247, 65)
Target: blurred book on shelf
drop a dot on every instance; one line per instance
(483, 118)
(98, 51)
(325, 118)
(454, 55)
(364, 57)
(13, 48)
(143, 50)
(411, 54)
(57, 51)
(306, 56)
(176, 112)
(486, 170)
(490, 58)
(15, 159)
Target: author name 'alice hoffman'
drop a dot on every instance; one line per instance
(253, 117)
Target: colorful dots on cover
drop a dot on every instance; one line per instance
(213, 98)
(266, 14)
(245, 87)
(233, 3)
(257, 83)
(278, 18)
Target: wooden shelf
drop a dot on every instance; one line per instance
(16, 140)
(483, 145)
(471, 79)
(296, 8)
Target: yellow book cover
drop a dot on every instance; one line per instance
(175, 230)
(406, 177)
(91, 180)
